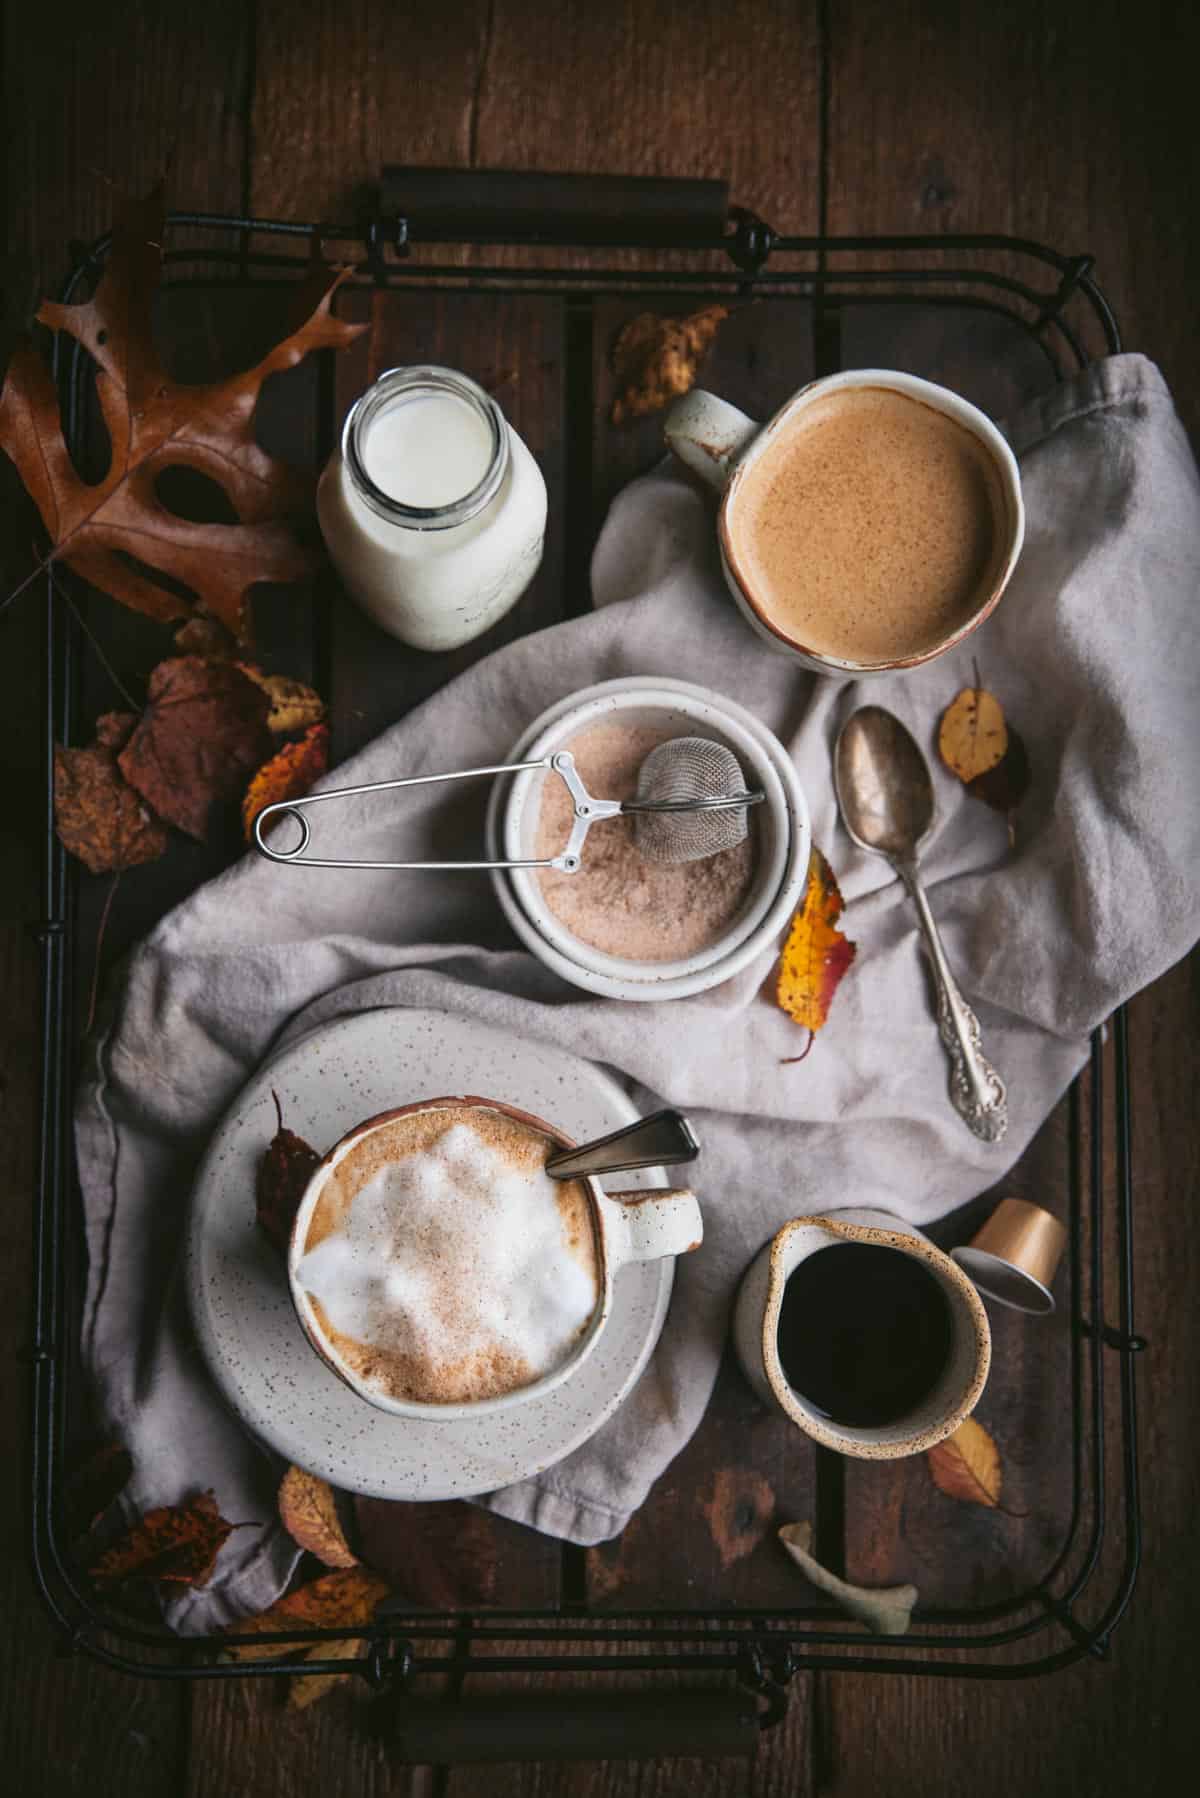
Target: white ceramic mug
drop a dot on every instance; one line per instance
(954, 1394)
(629, 1226)
(721, 445)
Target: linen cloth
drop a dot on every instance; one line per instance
(1095, 654)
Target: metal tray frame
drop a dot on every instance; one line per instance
(737, 252)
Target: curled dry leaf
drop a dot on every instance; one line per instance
(288, 775)
(177, 1544)
(117, 533)
(203, 731)
(348, 1597)
(654, 359)
(816, 955)
(885, 1609)
(308, 1512)
(967, 1466)
(972, 736)
(285, 1170)
(94, 1485)
(307, 1688)
(293, 705)
(97, 814)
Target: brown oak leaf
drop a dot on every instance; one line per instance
(348, 1597)
(117, 533)
(177, 1544)
(203, 731)
(655, 359)
(288, 775)
(816, 955)
(97, 814)
(285, 1170)
(308, 1512)
(967, 1466)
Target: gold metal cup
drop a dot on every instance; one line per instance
(1015, 1256)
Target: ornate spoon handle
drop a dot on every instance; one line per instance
(976, 1090)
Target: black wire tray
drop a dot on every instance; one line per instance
(585, 239)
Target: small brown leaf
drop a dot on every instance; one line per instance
(205, 636)
(307, 1688)
(654, 359)
(177, 1544)
(966, 1466)
(94, 1486)
(97, 814)
(288, 775)
(347, 1597)
(972, 736)
(293, 705)
(203, 732)
(816, 955)
(285, 1170)
(308, 1513)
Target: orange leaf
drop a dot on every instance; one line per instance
(308, 1513)
(308, 1688)
(966, 1466)
(347, 1597)
(288, 775)
(655, 358)
(284, 1171)
(175, 1543)
(816, 954)
(972, 736)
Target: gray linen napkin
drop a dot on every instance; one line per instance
(1095, 653)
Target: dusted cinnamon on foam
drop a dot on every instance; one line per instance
(870, 528)
(443, 1263)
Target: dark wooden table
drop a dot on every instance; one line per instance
(871, 117)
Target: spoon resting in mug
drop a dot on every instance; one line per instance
(885, 794)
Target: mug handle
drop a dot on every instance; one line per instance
(708, 435)
(645, 1226)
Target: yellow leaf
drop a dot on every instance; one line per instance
(309, 1515)
(966, 1466)
(306, 1689)
(816, 954)
(972, 736)
(293, 705)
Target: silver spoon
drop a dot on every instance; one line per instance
(663, 1139)
(886, 799)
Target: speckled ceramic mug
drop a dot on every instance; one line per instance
(953, 1396)
(629, 1226)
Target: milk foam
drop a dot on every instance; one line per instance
(455, 1272)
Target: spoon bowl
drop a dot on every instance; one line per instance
(883, 784)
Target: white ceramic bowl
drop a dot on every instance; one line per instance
(782, 822)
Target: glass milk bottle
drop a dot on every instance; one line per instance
(433, 510)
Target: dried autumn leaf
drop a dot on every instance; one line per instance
(288, 775)
(972, 736)
(307, 1688)
(293, 705)
(654, 359)
(285, 1170)
(203, 731)
(205, 636)
(94, 1485)
(117, 533)
(97, 814)
(816, 954)
(308, 1513)
(348, 1597)
(966, 1466)
(177, 1544)
(1004, 786)
(885, 1609)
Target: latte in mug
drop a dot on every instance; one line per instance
(443, 1265)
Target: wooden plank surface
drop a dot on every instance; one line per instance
(1068, 125)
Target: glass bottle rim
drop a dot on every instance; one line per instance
(424, 378)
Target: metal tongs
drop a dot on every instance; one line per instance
(587, 811)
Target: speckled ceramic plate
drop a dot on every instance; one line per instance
(278, 1386)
